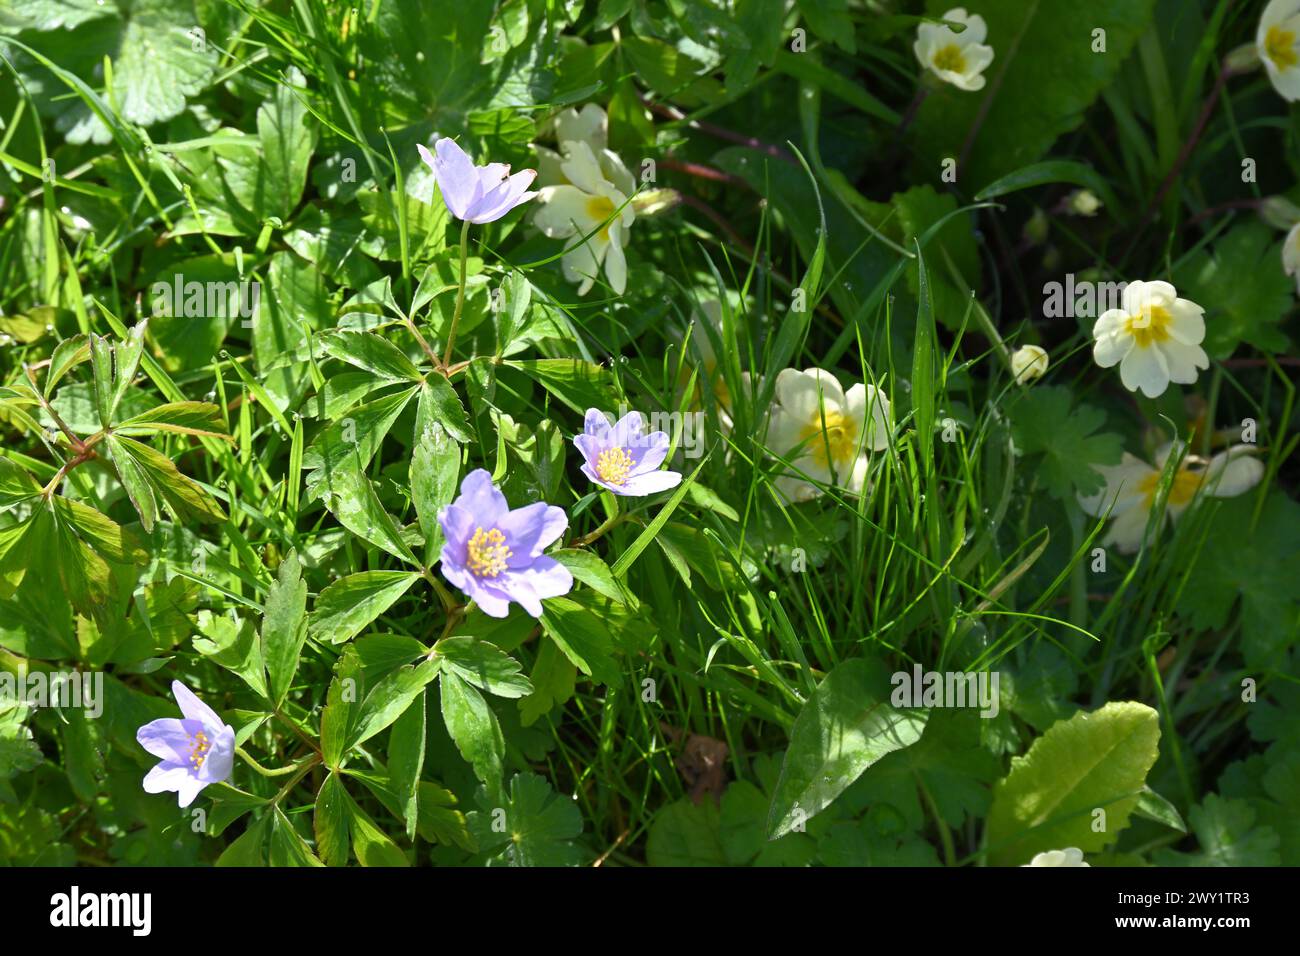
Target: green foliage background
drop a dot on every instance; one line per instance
(250, 507)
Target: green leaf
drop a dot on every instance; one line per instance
(1238, 312)
(341, 703)
(684, 833)
(1045, 420)
(583, 637)
(576, 383)
(288, 136)
(439, 403)
(1228, 835)
(284, 627)
(181, 418)
(349, 444)
(288, 848)
(1043, 77)
(390, 698)
(331, 822)
(349, 604)
(435, 474)
(1050, 171)
(484, 665)
(406, 742)
(474, 728)
(1258, 569)
(845, 727)
(351, 497)
(1089, 762)
(368, 351)
(249, 849)
(553, 680)
(539, 826)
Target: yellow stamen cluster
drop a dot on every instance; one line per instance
(1279, 46)
(838, 437)
(1180, 493)
(601, 208)
(200, 745)
(1149, 326)
(950, 58)
(613, 465)
(487, 553)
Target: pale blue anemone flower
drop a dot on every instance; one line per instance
(494, 554)
(193, 752)
(476, 193)
(622, 457)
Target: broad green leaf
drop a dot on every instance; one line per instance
(583, 637)
(578, 384)
(1093, 761)
(182, 418)
(284, 627)
(845, 727)
(331, 822)
(390, 698)
(1046, 420)
(435, 475)
(369, 351)
(685, 833)
(474, 728)
(553, 680)
(406, 743)
(288, 848)
(439, 403)
(484, 665)
(349, 604)
(287, 134)
(351, 497)
(540, 826)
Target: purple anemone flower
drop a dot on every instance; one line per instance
(194, 752)
(494, 554)
(476, 193)
(622, 458)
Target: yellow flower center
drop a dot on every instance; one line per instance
(1279, 46)
(950, 58)
(1183, 490)
(613, 465)
(199, 747)
(1149, 326)
(837, 435)
(487, 553)
(601, 208)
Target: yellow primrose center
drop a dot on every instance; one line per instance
(601, 208)
(1183, 490)
(200, 745)
(1149, 326)
(613, 465)
(1279, 46)
(950, 58)
(838, 435)
(487, 553)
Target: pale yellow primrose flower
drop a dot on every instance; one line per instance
(1155, 338)
(1278, 42)
(1070, 856)
(1132, 484)
(956, 58)
(826, 432)
(1028, 362)
(1291, 255)
(593, 193)
(589, 125)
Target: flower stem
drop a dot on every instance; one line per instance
(268, 772)
(614, 518)
(460, 293)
